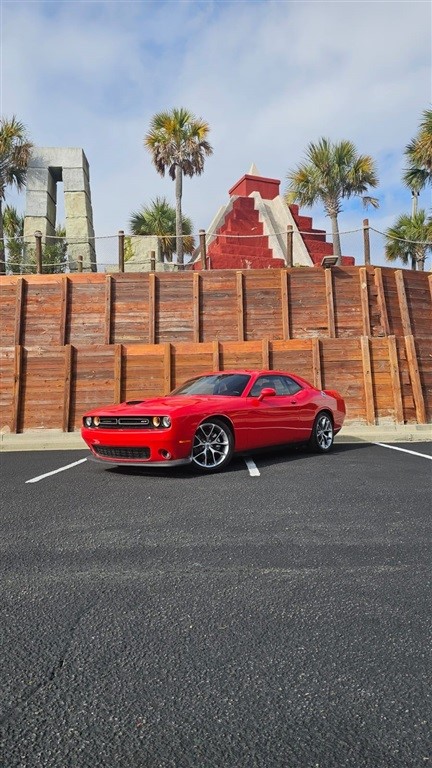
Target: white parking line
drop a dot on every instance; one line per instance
(252, 467)
(405, 450)
(54, 472)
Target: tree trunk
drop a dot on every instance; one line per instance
(336, 239)
(2, 243)
(179, 229)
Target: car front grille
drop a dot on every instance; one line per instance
(135, 454)
(126, 422)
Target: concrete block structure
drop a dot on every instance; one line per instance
(47, 167)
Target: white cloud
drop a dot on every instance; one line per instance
(268, 76)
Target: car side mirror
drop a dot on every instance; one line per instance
(267, 392)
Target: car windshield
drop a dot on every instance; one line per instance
(229, 384)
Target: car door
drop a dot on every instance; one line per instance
(280, 418)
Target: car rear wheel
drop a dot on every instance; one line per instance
(213, 446)
(322, 433)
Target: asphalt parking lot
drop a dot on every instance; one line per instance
(275, 615)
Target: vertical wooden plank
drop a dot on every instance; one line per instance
(364, 300)
(196, 306)
(240, 306)
(108, 304)
(118, 353)
(285, 304)
(265, 354)
(19, 300)
(316, 362)
(381, 300)
(403, 304)
(430, 285)
(16, 392)
(415, 379)
(167, 368)
(67, 378)
(367, 380)
(64, 309)
(216, 356)
(395, 380)
(330, 303)
(152, 303)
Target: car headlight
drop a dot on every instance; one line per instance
(96, 421)
(161, 421)
(88, 421)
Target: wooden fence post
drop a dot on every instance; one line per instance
(285, 304)
(316, 362)
(152, 308)
(364, 301)
(289, 255)
(19, 300)
(152, 261)
(64, 309)
(367, 380)
(330, 303)
(240, 306)
(16, 392)
(196, 306)
(167, 368)
(68, 361)
(203, 248)
(118, 371)
(395, 379)
(38, 251)
(366, 241)
(414, 374)
(121, 239)
(108, 306)
(381, 300)
(403, 304)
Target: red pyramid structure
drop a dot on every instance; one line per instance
(249, 232)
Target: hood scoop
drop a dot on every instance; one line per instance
(134, 402)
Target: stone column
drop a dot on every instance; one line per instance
(47, 167)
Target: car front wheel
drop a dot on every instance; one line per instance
(213, 446)
(322, 434)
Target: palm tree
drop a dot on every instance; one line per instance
(15, 150)
(159, 219)
(13, 229)
(54, 255)
(330, 173)
(178, 143)
(419, 155)
(410, 239)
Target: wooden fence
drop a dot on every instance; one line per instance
(385, 379)
(228, 305)
(73, 342)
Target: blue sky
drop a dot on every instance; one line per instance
(269, 76)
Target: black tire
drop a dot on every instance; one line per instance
(213, 446)
(322, 437)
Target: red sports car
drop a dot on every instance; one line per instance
(209, 418)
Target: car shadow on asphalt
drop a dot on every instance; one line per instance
(263, 458)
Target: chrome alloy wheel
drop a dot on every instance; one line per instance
(212, 446)
(324, 432)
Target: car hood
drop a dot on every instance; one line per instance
(165, 406)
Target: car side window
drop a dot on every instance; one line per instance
(261, 383)
(292, 387)
(283, 385)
